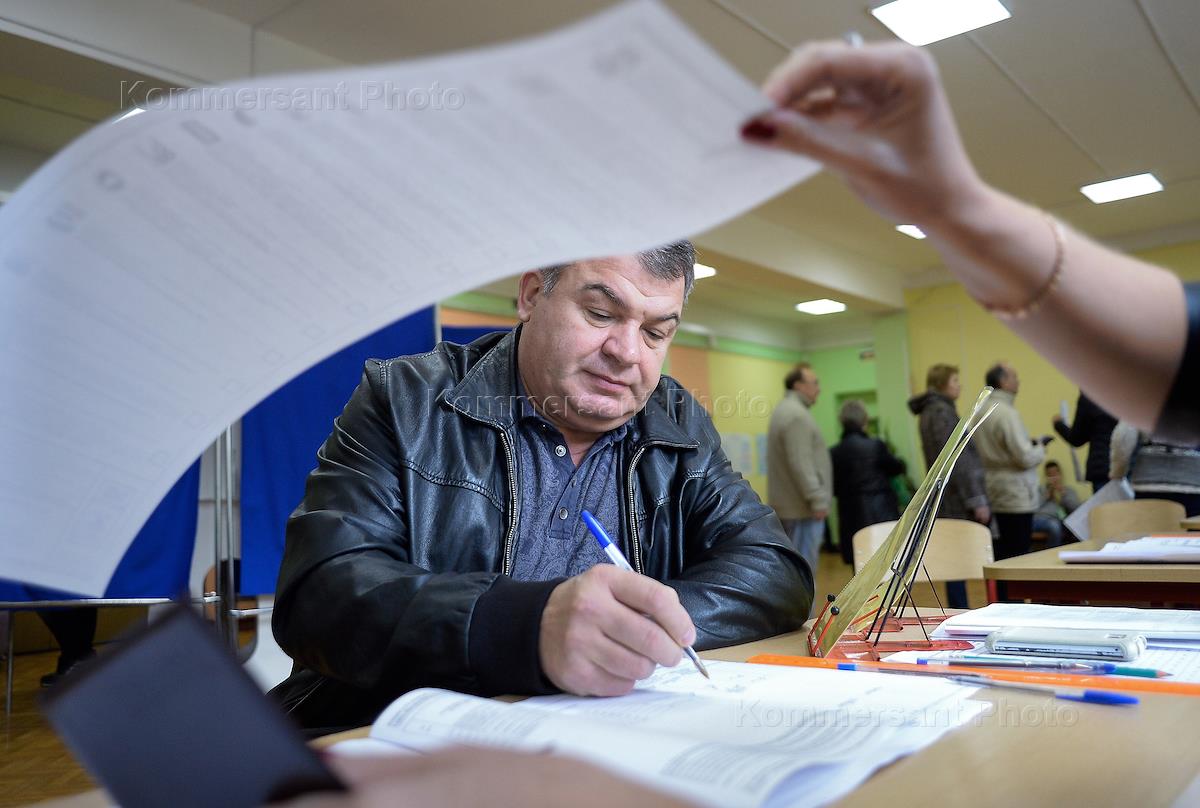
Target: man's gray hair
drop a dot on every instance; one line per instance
(854, 413)
(669, 263)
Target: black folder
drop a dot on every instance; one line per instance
(170, 718)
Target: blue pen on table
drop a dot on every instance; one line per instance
(1069, 693)
(1083, 694)
(617, 557)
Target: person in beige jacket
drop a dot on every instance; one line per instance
(1010, 462)
(799, 471)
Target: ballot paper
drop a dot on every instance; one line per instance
(1180, 625)
(752, 735)
(1164, 549)
(169, 269)
(1112, 491)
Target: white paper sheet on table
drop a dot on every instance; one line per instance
(752, 735)
(166, 272)
(1155, 624)
(1164, 549)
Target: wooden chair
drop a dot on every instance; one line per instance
(957, 549)
(1135, 517)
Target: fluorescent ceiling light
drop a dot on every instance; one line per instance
(1123, 188)
(910, 230)
(919, 22)
(822, 306)
(703, 271)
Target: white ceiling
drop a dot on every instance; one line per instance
(1065, 93)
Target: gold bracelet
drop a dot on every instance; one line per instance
(1041, 294)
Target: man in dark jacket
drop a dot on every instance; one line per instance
(1094, 427)
(863, 469)
(964, 497)
(439, 542)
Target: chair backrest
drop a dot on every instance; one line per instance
(957, 549)
(1135, 516)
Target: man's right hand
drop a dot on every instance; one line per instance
(607, 628)
(983, 514)
(821, 515)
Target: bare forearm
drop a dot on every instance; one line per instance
(1115, 325)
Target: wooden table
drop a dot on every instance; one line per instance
(1031, 750)
(1042, 577)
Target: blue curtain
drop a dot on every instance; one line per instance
(159, 560)
(280, 438)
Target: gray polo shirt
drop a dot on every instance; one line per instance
(552, 541)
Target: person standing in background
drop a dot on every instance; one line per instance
(1094, 427)
(862, 472)
(1010, 460)
(1156, 469)
(964, 497)
(799, 473)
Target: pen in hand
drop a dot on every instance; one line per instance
(616, 557)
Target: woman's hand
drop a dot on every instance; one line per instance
(877, 116)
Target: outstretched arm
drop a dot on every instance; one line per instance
(878, 116)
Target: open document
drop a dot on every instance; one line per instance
(170, 269)
(753, 735)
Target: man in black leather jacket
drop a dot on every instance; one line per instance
(422, 555)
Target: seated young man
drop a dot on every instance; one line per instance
(439, 542)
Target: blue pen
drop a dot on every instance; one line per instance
(1086, 695)
(1083, 694)
(616, 557)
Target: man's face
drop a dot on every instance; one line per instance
(1053, 477)
(953, 388)
(808, 386)
(1011, 382)
(592, 348)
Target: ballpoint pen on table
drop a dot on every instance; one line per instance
(981, 680)
(616, 557)
(1083, 694)
(1065, 665)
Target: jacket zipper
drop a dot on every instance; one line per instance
(513, 505)
(634, 542)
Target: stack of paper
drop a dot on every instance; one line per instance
(1183, 549)
(1173, 625)
(753, 735)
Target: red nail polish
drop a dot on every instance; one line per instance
(758, 130)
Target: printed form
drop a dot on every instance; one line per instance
(752, 735)
(170, 269)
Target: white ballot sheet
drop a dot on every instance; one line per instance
(752, 735)
(1155, 624)
(169, 270)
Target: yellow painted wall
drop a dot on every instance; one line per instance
(945, 325)
(745, 389)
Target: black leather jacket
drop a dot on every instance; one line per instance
(395, 570)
